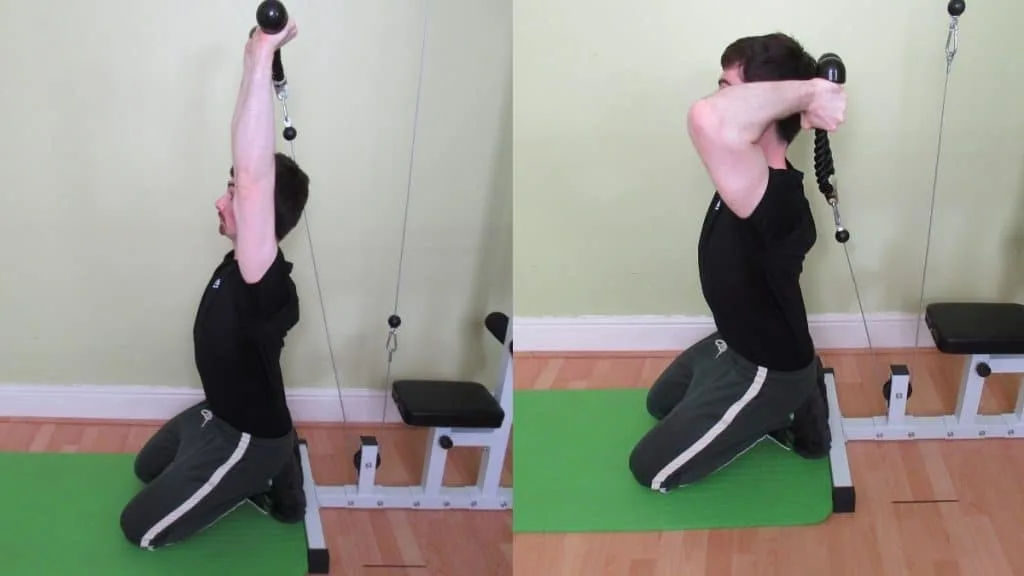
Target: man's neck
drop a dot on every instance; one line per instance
(775, 152)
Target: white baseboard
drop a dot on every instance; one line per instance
(362, 406)
(660, 333)
(308, 405)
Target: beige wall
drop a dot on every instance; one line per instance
(610, 194)
(117, 144)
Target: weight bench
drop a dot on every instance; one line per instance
(457, 413)
(991, 335)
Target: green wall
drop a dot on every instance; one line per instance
(117, 125)
(610, 193)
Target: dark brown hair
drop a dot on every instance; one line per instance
(772, 58)
(291, 191)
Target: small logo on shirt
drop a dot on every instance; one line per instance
(216, 284)
(207, 416)
(722, 347)
(718, 204)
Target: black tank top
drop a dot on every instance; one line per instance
(750, 273)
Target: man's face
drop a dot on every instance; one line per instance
(226, 211)
(730, 77)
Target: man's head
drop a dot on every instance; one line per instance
(768, 58)
(291, 191)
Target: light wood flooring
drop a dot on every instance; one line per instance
(928, 508)
(361, 543)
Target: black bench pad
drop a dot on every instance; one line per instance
(976, 328)
(446, 404)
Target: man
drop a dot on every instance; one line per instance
(239, 444)
(757, 375)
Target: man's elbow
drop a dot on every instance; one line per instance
(709, 129)
(702, 122)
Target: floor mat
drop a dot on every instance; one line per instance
(59, 514)
(571, 453)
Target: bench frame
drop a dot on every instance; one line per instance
(964, 424)
(430, 493)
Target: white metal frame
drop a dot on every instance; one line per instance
(429, 494)
(964, 424)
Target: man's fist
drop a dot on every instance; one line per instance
(827, 109)
(262, 44)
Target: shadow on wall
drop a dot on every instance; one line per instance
(829, 283)
(1011, 285)
(886, 265)
(493, 290)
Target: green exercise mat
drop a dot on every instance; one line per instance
(60, 514)
(571, 450)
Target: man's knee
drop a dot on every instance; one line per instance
(640, 466)
(654, 406)
(659, 471)
(133, 525)
(666, 393)
(143, 470)
(646, 465)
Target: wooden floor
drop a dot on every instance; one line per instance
(370, 543)
(929, 508)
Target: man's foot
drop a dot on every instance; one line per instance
(287, 497)
(261, 502)
(811, 434)
(783, 437)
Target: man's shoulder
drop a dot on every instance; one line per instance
(280, 267)
(279, 276)
(784, 213)
(283, 262)
(785, 188)
(274, 289)
(273, 301)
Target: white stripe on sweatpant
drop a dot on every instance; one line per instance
(204, 490)
(713, 432)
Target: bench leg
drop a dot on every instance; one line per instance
(844, 497)
(368, 452)
(492, 463)
(1018, 412)
(966, 422)
(434, 463)
(896, 424)
(899, 389)
(318, 558)
(969, 398)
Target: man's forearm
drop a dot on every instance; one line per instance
(253, 139)
(743, 112)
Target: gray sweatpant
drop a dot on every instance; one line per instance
(711, 406)
(196, 469)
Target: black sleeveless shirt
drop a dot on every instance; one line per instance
(750, 273)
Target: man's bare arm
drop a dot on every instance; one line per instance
(725, 127)
(253, 142)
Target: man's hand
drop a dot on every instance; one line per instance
(261, 46)
(827, 107)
